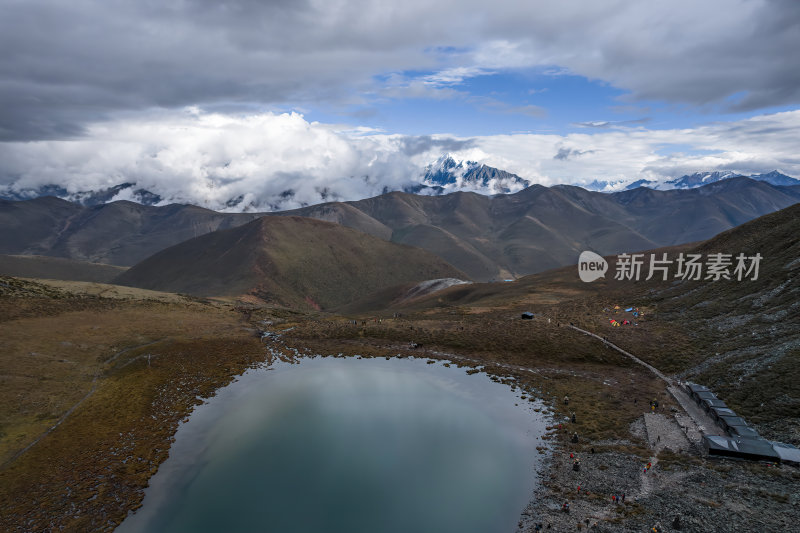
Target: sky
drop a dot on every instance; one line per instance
(290, 102)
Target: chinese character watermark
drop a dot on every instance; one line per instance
(692, 267)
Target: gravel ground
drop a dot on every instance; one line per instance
(705, 495)
(667, 482)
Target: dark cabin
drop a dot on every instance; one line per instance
(694, 388)
(753, 449)
(743, 433)
(704, 395)
(719, 412)
(729, 422)
(708, 404)
(789, 454)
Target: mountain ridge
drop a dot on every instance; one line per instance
(487, 237)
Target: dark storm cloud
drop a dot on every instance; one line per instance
(62, 67)
(67, 64)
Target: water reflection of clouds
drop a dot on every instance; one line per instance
(414, 439)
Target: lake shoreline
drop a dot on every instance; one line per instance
(440, 405)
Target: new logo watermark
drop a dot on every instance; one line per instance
(695, 267)
(591, 266)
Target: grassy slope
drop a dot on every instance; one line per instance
(56, 347)
(745, 336)
(37, 266)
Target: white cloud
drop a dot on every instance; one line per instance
(207, 159)
(758, 144)
(283, 161)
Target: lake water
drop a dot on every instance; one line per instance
(346, 445)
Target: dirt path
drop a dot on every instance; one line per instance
(54, 426)
(653, 369)
(696, 422)
(75, 406)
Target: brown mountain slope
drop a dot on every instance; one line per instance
(541, 228)
(37, 266)
(291, 261)
(33, 224)
(120, 233)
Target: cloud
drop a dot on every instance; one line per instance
(270, 161)
(412, 146)
(611, 123)
(267, 160)
(454, 75)
(757, 144)
(66, 65)
(567, 153)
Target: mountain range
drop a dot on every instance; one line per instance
(486, 237)
(444, 175)
(691, 181)
(506, 236)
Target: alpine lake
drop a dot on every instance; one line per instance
(350, 445)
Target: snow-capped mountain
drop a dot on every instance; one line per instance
(448, 174)
(698, 179)
(776, 178)
(642, 183)
(691, 181)
(443, 176)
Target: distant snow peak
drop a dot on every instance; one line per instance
(701, 178)
(447, 174)
(690, 181)
(605, 185)
(776, 177)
